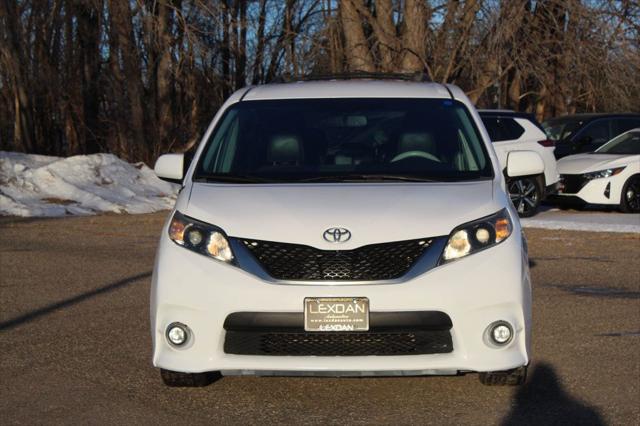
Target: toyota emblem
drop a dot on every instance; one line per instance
(337, 235)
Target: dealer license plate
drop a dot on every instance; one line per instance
(336, 314)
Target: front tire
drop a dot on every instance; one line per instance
(515, 377)
(630, 197)
(525, 194)
(188, 380)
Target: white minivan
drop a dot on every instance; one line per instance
(343, 227)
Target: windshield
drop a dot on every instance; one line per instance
(561, 129)
(625, 144)
(307, 140)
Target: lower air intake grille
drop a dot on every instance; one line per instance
(385, 261)
(301, 343)
(572, 183)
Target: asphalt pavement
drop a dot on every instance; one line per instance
(75, 345)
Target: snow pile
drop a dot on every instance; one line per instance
(37, 185)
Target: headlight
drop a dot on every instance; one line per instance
(603, 173)
(200, 237)
(477, 235)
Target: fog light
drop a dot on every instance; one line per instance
(501, 332)
(177, 334)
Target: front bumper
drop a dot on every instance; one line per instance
(474, 292)
(576, 190)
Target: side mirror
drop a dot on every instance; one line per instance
(170, 167)
(524, 163)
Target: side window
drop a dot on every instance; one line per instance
(220, 155)
(596, 133)
(621, 125)
(469, 144)
(512, 129)
(493, 128)
(502, 128)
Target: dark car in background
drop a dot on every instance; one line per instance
(575, 134)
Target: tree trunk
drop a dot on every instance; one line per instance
(387, 38)
(12, 56)
(488, 75)
(89, 40)
(226, 51)
(290, 47)
(164, 118)
(241, 49)
(497, 64)
(514, 91)
(541, 104)
(281, 43)
(414, 37)
(357, 50)
(121, 20)
(258, 67)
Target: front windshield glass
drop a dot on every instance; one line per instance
(561, 129)
(307, 140)
(625, 144)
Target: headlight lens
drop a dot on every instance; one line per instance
(603, 173)
(200, 237)
(477, 235)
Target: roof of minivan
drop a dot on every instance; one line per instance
(347, 89)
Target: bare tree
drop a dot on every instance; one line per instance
(138, 77)
(357, 49)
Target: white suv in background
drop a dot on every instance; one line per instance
(515, 131)
(344, 228)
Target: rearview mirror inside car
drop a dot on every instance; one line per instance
(170, 167)
(524, 163)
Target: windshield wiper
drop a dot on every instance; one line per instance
(367, 177)
(232, 179)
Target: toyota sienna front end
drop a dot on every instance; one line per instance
(354, 227)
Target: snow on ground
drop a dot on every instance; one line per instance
(37, 185)
(584, 221)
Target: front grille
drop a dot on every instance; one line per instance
(417, 342)
(391, 333)
(368, 263)
(572, 184)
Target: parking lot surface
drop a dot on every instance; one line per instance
(75, 344)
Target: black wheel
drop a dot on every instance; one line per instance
(191, 380)
(525, 194)
(515, 377)
(630, 197)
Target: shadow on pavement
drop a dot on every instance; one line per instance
(543, 401)
(30, 316)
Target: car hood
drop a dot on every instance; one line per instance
(374, 213)
(583, 163)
